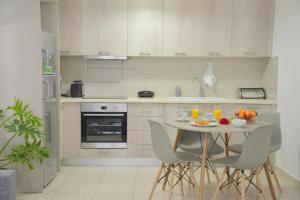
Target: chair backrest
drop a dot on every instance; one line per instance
(256, 149)
(161, 143)
(273, 118)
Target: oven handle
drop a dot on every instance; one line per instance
(103, 115)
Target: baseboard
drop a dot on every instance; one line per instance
(110, 162)
(287, 176)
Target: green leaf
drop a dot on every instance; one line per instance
(23, 123)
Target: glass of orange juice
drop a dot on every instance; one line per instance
(217, 114)
(195, 113)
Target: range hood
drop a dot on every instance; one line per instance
(106, 57)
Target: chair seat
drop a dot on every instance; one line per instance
(187, 157)
(195, 149)
(226, 161)
(237, 148)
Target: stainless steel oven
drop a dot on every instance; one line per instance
(103, 125)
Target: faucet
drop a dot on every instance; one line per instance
(201, 87)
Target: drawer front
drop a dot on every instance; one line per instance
(141, 123)
(145, 109)
(228, 110)
(139, 137)
(257, 108)
(172, 110)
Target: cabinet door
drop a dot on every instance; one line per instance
(250, 27)
(70, 27)
(104, 27)
(214, 27)
(145, 27)
(179, 27)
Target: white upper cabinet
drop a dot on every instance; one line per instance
(70, 27)
(104, 27)
(179, 27)
(214, 27)
(250, 27)
(145, 27)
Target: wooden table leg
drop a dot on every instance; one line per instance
(266, 167)
(203, 164)
(177, 140)
(226, 141)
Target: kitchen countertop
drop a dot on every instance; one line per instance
(172, 100)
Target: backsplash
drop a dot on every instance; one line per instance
(161, 75)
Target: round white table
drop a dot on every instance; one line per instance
(221, 129)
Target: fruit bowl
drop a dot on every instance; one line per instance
(246, 114)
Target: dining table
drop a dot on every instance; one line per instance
(224, 131)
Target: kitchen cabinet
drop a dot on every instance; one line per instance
(70, 27)
(179, 27)
(71, 130)
(104, 27)
(251, 26)
(214, 27)
(145, 27)
(139, 132)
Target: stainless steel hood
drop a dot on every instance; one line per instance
(106, 57)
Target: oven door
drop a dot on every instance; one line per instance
(103, 130)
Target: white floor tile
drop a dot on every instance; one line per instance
(81, 188)
(117, 188)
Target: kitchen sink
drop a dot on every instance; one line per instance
(196, 98)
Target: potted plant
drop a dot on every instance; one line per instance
(17, 122)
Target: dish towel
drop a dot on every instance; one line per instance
(209, 77)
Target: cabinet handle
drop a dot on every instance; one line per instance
(104, 53)
(250, 53)
(145, 54)
(214, 54)
(65, 52)
(180, 54)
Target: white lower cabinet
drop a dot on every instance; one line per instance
(139, 133)
(71, 130)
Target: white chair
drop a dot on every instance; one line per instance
(164, 152)
(272, 118)
(255, 152)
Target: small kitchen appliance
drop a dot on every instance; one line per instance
(76, 89)
(251, 93)
(147, 94)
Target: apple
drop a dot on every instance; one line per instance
(224, 121)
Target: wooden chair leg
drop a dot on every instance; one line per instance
(219, 184)
(207, 174)
(181, 179)
(267, 172)
(156, 181)
(237, 177)
(171, 183)
(166, 178)
(258, 183)
(275, 176)
(243, 194)
(215, 172)
(194, 179)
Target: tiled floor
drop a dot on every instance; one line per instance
(130, 183)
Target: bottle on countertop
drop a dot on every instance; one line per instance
(178, 91)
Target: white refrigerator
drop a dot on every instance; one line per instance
(50, 103)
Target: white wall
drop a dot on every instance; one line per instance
(287, 47)
(20, 67)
